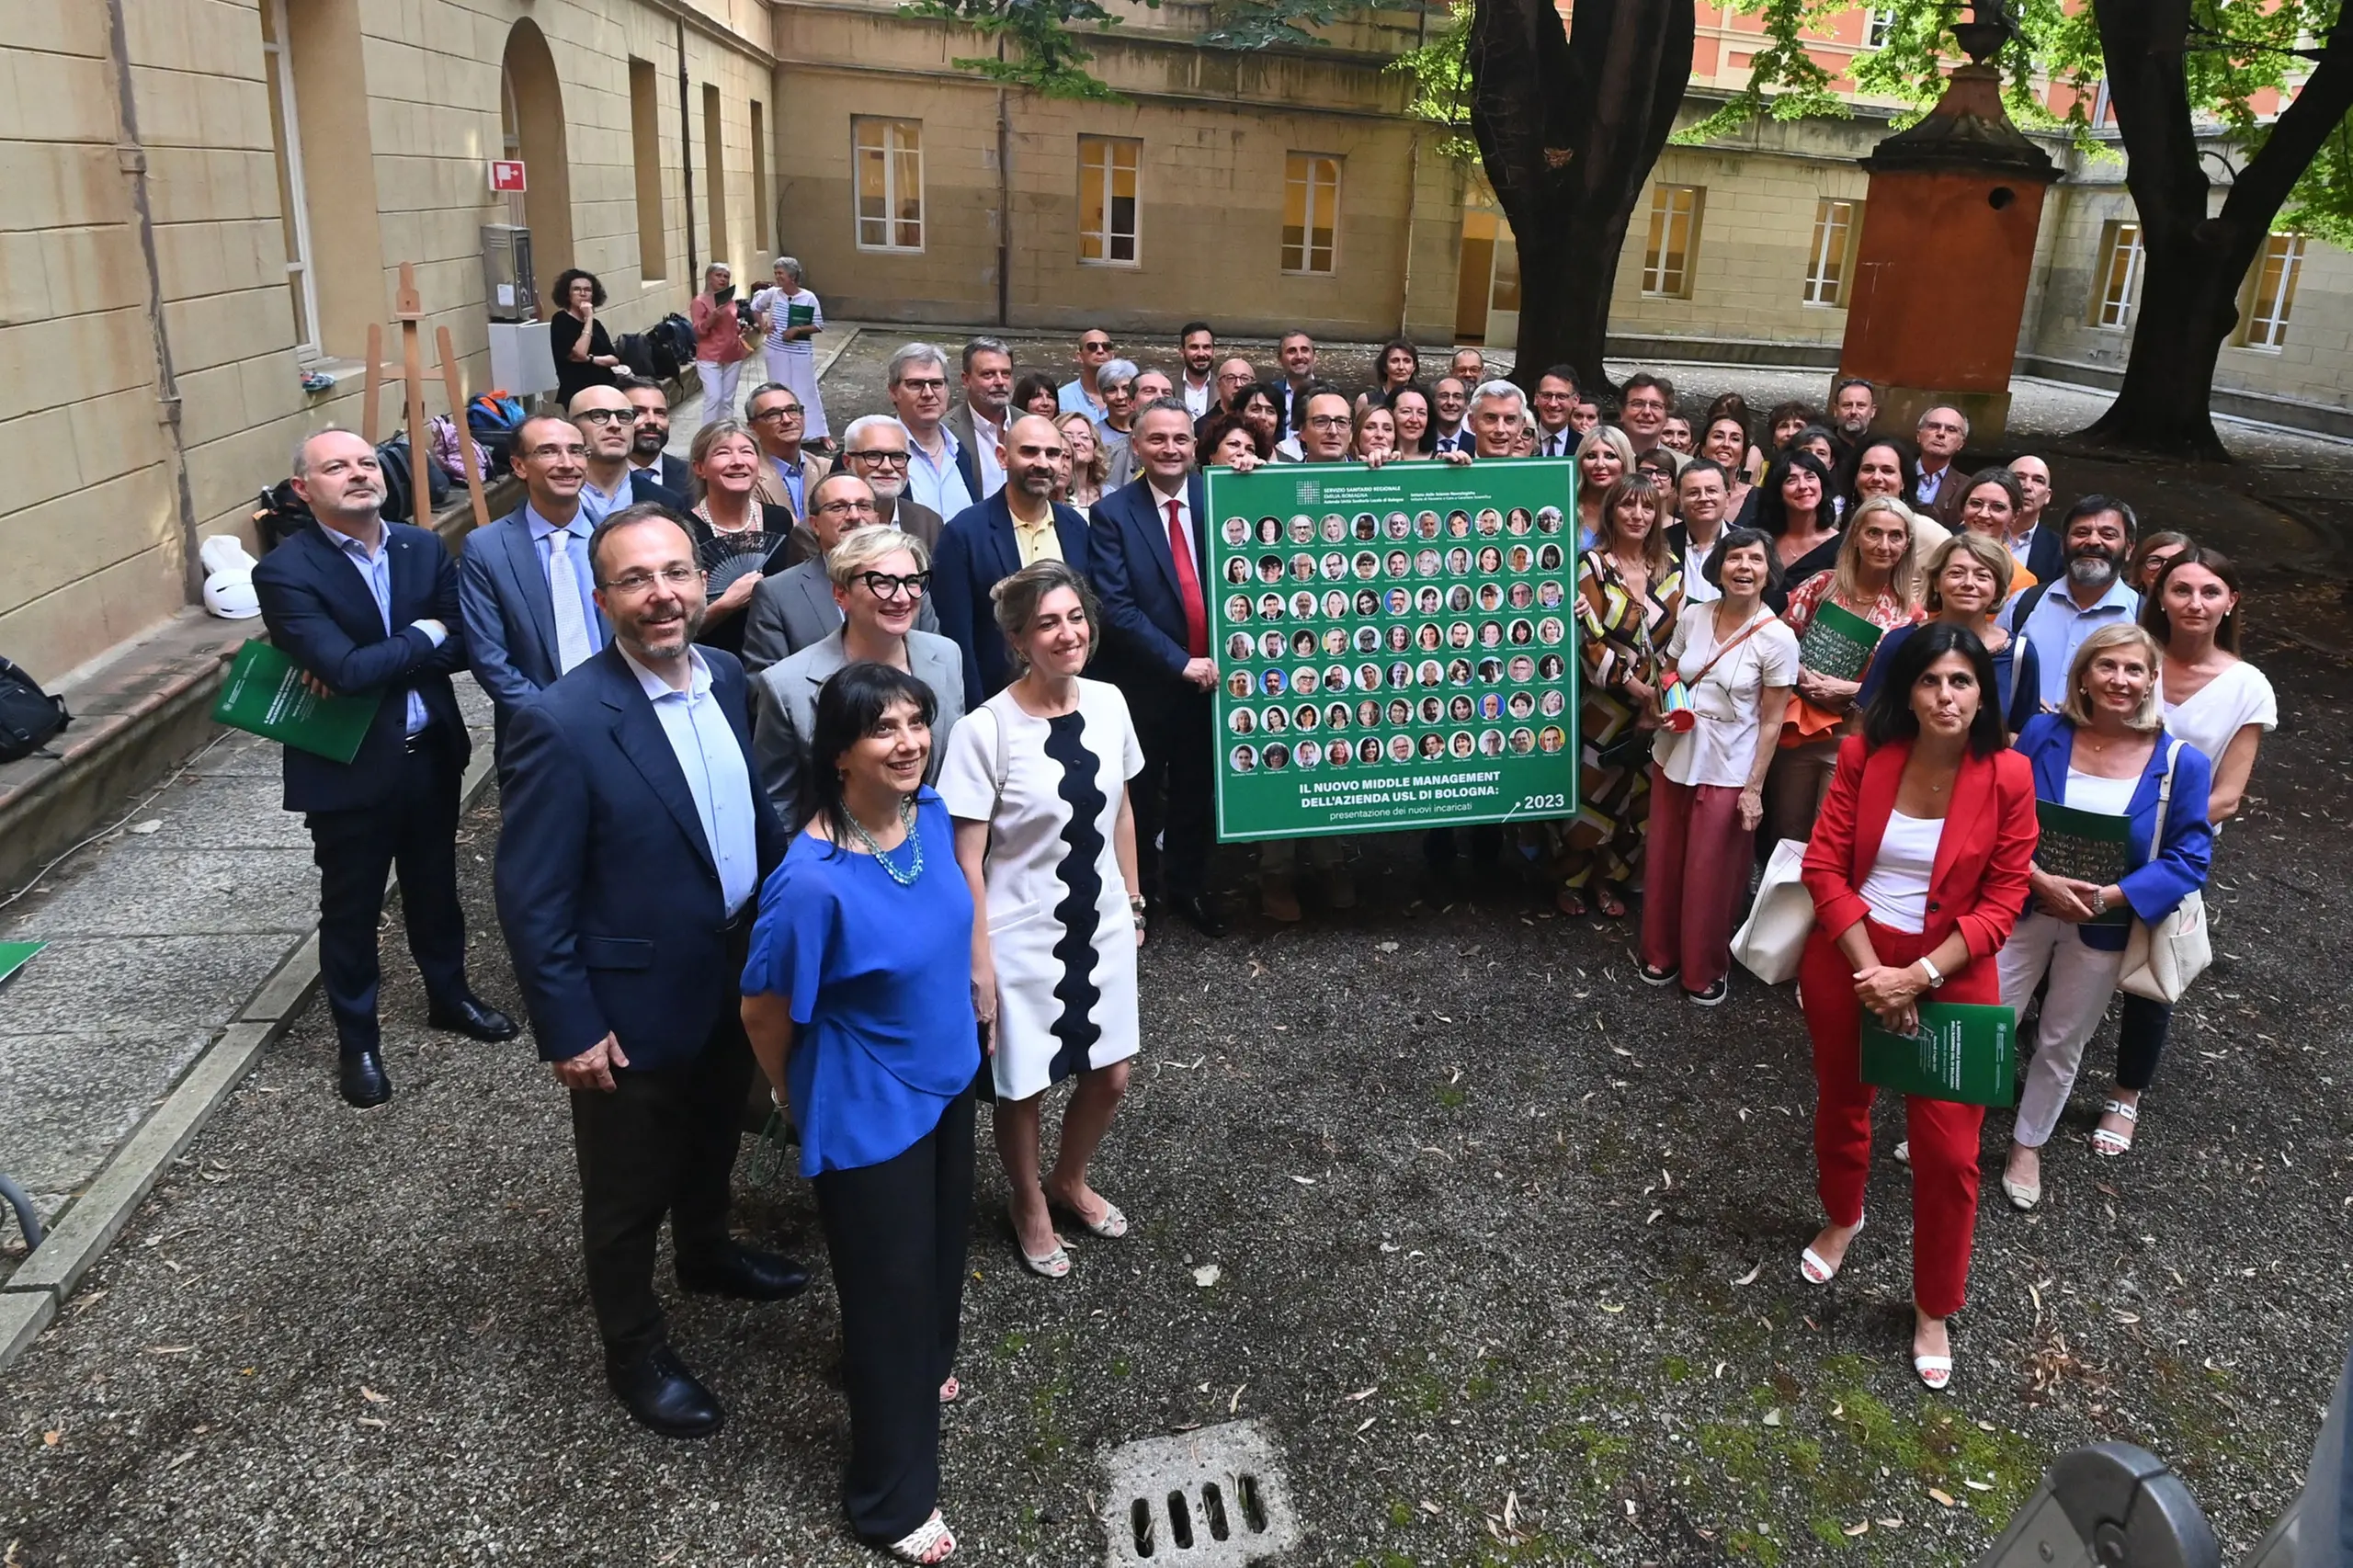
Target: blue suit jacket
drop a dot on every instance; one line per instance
(644, 487)
(2162, 875)
(2046, 555)
(1135, 575)
(606, 890)
(977, 551)
(510, 616)
(321, 614)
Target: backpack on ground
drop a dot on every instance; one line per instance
(28, 716)
(279, 514)
(399, 504)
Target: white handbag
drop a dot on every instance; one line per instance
(1772, 939)
(2161, 961)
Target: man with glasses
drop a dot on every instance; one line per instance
(778, 419)
(983, 545)
(608, 422)
(1469, 366)
(1942, 431)
(1556, 396)
(1236, 378)
(875, 447)
(1643, 403)
(1326, 426)
(370, 608)
(1198, 346)
(629, 861)
(795, 608)
(941, 473)
(1080, 394)
(978, 419)
(650, 437)
(523, 583)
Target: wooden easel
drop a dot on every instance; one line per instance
(408, 313)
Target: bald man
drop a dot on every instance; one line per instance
(606, 418)
(986, 543)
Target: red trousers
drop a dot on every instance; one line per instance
(1698, 860)
(1944, 1136)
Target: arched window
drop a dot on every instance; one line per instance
(530, 113)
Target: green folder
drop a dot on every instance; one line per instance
(1964, 1052)
(800, 315)
(2091, 846)
(1838, 644)
(265, 695)
(14, 956)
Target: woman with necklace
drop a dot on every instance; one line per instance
(1966, 577)
(1918, 867)
(1629, 592)
(2221, 704)
(1736, 663)
(2106, 752)
(857, 1004)
(728, 521)
(1036, 782)
(1604, 457)
(1793, 505)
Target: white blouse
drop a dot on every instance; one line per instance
(1897, 889)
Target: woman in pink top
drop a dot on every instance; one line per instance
(719, 341)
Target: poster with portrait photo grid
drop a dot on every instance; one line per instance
(1394, 646)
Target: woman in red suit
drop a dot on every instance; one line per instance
(1918, 870)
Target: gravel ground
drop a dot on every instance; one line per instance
(1505, 1249)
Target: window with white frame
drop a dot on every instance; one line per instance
(1311, 212)
(1669, 257)
(1108, 167)
(889, 154)
(1835, 223)
(2118, 279)
(1879, 25)
(2272, 293)
(286, 142)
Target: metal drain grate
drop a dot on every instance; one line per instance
(1211, 1498)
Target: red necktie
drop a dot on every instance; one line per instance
(1188, 584)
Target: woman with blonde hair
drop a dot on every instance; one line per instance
(1966, 577)
(1088, 463)
(730, 522)
(2106, 752)
(1603, 456)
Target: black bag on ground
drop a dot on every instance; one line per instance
(28, 716)
(279, 514)
(392, 458)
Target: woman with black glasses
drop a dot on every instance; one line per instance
(879, 576)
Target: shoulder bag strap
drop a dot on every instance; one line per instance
(1743, 635)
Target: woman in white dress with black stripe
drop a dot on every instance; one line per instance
(1036, 779)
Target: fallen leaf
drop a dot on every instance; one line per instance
(1892, 1524)
(1360, 1394)
(1234, 1404)
(51, 1439)
(1304, 1181)
(169, 1350)
(1944, 1497)
(370, 1421)
(1977, 1485)
(1386, 947)
(1657, 1215)
(1430, 1507)
(1773, 1417)
(1613, 1311)
(1207, 1274)
(371, 1396)
(1986, 1426)
(150, 825)
(1366, 1424)
(1750, 1277)
(1860, 1527)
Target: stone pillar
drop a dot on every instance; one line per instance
(1946, 253)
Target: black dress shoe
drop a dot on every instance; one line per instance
(470, 1018)
(745, 1275)
(662, 1394)
(1201, 913)
(363, 1081)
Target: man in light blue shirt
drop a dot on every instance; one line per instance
(524, 583)
(941, 473)
(717, 775)
(2089, 594)
(1080, 394)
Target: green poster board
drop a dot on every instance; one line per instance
(1396, 646)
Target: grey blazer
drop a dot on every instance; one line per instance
(795, 608)
(784, 709)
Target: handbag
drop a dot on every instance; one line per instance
(1772, 939)
(2161, 961)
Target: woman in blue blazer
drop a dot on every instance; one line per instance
(2105, 752)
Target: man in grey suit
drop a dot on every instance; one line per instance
(875, 449)
(978, 417)
(796, 608)
(878, 577)
(524, 590)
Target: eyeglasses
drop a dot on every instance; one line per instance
(924, 384)
(879, 455)
(549, 454)
(844, 509)
(883, 585)
(1093, 347)
(1328, 421)
(606, 417)
(676, 575)
(791, 411)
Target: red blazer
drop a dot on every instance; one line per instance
(1980, 882)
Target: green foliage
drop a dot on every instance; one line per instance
(2322, 203)
(1254, 24)
(1441, 74)
(1785, 81)
(1036, 50)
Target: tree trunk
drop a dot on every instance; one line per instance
(1569, 124)
(2193, 264)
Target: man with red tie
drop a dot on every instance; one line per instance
(1150, 552)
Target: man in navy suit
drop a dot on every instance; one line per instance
(650, 437)
(984, 544)
(629, 873)
(525, 588)
(370, 608)
(607, 423)
(1151, 564)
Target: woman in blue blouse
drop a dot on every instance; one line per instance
(2107, 752)
(859, 1002)
(1968, 578)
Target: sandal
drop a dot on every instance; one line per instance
(2109, 1143)
(1111, 1227)
(1655, 976)
(951, 1390)
(1571, 902)
(1816, 1270)
(928, 1543)
(1612, 907)
(1934, 1370)
(1054, 1264)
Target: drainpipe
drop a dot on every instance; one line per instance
(1413, 192)
(1004, 204)
(131, 157)
(686, 161)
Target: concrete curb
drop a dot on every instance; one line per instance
(32, 1296)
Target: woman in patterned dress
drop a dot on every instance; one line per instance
(1629, 591)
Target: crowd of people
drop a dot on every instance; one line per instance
(852, 781)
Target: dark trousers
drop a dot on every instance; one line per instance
(2140, 1040)
(414, 828)
(662, 1142)
(896, 1233)
(1173, 794)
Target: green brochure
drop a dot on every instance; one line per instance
(1838, 644)
(2091, 846)
(1962, 1051)
(265, 694)
(14, 956)
(800, 315)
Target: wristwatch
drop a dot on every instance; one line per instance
(1136, 904)
(2100, 901)
(1936, 976)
